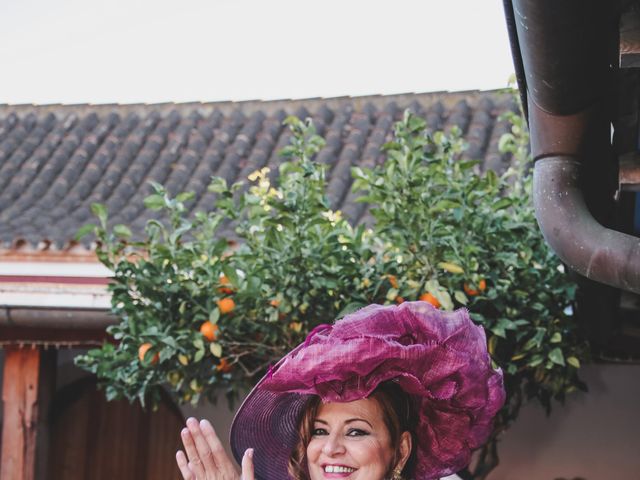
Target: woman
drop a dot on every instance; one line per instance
(395, 392)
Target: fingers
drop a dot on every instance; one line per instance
(247, 465)
(204, 457)
(207, 457)
(181, 460)
(220, 456)
(195, 464)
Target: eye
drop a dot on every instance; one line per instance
(356, 432)
(318, 431)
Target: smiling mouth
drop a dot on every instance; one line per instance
(338, 469)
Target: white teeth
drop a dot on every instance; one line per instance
(338, 469)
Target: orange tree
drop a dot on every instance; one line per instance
(200, 315)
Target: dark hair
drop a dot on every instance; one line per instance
(399, 415)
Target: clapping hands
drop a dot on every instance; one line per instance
(206, 458)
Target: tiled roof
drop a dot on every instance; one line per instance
(55, 160)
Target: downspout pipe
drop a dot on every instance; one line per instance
(565, 48)
(596, 252)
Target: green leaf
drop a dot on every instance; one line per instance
(166, 354)
(556, 356)
(230, 273)
(154, 202)
(573, 361)
(358, 173)
(99, 211)
(444, 298)
(185, 196)
(451, 267)
(391, 145)
(443, 205)
(288, 151)
(157, 187)
(499, 331)
(198, 355)
(253, 285)
(460, 297)
(500, 204)
(505, 141)
(556, 338)
(216, 349)
(218, 185)
(84, 231)
(122, 231)
(535, 361)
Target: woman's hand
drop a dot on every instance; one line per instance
(206, 459)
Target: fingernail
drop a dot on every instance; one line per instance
(250, 453)
(184, 432)
(204, 423)
(192, 422)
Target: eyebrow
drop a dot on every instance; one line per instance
(350, 420)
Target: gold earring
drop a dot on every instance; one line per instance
(397, 474)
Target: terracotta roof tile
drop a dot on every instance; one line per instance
(55, 160)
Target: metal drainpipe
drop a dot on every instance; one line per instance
(565, 50)
(586, 246)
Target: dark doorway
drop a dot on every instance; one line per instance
(92, 439)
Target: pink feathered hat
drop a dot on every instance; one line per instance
(438, 358)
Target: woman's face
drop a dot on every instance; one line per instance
(350, 441)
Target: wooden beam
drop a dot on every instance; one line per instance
(52, 337)
(20, 413)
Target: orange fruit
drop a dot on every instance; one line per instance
(224, 366)
(210, 331)
(226, 305)
(472, 292)
(296, 326)
(224, 280)
(399, 299)
(393, 281)
(142, 351)
(429, 298)
(274, 303)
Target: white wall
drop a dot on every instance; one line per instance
(596, 436)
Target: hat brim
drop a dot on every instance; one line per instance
(268, 422)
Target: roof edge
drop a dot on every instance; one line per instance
(448, 98)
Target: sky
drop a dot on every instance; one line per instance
(130, 51)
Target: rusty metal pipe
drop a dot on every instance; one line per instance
(565, 50)
(586, 246)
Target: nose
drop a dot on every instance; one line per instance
(333, 445)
